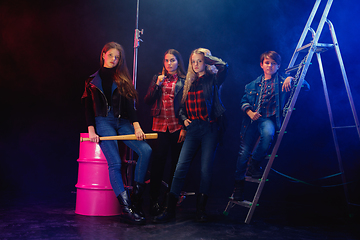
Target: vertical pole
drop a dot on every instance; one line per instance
(131, 163)
(136, 44)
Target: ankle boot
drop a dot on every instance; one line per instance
(127, 213)
(169, 212)
(137, 199)
(254, 170)
(201, 201)
(238, 194)
(155, 208)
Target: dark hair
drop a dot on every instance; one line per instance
(271, 54)
(180, 69)
(122, 76)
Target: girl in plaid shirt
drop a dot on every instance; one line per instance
(199, 113)
(164, 94)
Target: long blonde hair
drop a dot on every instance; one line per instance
(191, 75)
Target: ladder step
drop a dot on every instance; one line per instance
(304, 48)
(293, 68)
(241, 203)
(320, 47)
(323, 47)
(351, 126)
(250, 179)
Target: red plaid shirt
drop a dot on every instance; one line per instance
(166, 119)
(195, 102)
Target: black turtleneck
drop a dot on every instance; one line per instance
(107, 78)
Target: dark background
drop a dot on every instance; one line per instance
(49, 48)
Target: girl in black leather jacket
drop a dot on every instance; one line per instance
(109, 105)
(164, 94)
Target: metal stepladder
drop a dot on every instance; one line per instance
(314, 47)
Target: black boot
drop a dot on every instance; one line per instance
(201, 200)
(254, 170)
(127, 213)
(169, 212)
(238, 194)
(137, 199)
(155, 208)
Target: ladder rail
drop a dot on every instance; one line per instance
(343, 72)
(276, 146)
(322, 21)
(337, 148)
(313, 47)
(311, 52)
(263, 179)
(304, 33)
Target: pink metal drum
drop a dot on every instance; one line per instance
(94, 195)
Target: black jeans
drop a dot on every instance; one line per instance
(166, 141)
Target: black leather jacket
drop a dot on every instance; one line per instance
(211, 84)
(153, 96)
(122, 106)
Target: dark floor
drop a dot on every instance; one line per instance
(33, 219)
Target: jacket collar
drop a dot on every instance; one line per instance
(179, 85)
(276, 78)
(97, 82)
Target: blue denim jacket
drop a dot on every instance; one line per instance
(251, 98)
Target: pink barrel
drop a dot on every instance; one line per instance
(94, 195)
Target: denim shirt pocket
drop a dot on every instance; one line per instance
(251, 93)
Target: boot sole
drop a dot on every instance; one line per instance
(133, 222)
(167, 221)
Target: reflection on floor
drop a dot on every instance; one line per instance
(55, 219)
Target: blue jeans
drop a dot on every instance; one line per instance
(265, 127)
(203, 135)
(111, 126)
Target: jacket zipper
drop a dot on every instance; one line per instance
(107, 104)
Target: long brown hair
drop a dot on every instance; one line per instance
(180, 69)
(122, 76)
